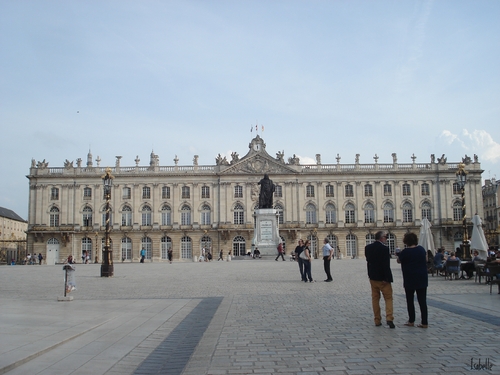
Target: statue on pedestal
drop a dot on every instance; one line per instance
(266, 192)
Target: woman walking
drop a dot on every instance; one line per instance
(307, 262)
(413, 261)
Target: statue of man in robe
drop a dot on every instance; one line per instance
(266, 192)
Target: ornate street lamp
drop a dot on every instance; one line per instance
(462, 180)
(107, 255)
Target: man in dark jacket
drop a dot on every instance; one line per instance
(378, 261)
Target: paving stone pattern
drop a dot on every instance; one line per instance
(239, 317)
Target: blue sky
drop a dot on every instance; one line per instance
(192, 77)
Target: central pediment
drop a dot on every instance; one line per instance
(259, 163)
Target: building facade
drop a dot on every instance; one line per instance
(12, 236)
(491, 222)
(187, 208)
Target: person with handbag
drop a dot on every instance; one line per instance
(306, 258)
(298, 250)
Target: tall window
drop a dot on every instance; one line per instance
(407, 212)
(146, 215)
(146, 192)
(205, 192)
(310, 191)
(126, 216)
(349, 190)
(387, 190)
(370, 238)
(368, 190)
(456, 189)
(165, 192)
(369, 213)
(126, 248)
(278, 191)
(147, 245)
(425, 189)
(206, 243)
(457, 211)
(311, 214)
(166, 215)
(279, 210)
(349, 214)
(238, 191)
(426, 211)
(54, 217)
(329, 191)
(186, 248)
(350, 244)
(87, 216)
(238, 214)
(166, 244)
(388, 213)
(104, 217)
(87, 193)
(331, 217)
(239, 247)
(391, 243)
(54, 194)
(126, 193)
(185, 192)
(333, 242)
(87, 246)
(185, 215)
(205, 215)
(406, 189)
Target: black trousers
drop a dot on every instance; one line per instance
(422, 301)
(326, 266)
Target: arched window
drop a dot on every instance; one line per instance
(333, 242)
(186, 248)
(457, 211)
(331, 216)
(311, 214)
(185, 215)
(426, 211)
(86, 248)
(147, 245)
(238, 214)
(407, 212)
(126, 216)
(146, 215)
(369, 213)
(351, 247)
(205, 215)
(53, 241)
(126, 248)
(350, 216)
(206, 243)
(166, 244)
(239, 247)
(388, 213)
(370, 238)
(54, 216)
(87, 216)
(279, 210)
(166, 215)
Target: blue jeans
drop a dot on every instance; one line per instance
(307, 270)
(301, 268)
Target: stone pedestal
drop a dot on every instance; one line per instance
(266, 232)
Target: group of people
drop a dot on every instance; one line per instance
(443, 265)
(33, 259)
(303, 257)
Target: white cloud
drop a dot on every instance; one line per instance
(478, 141)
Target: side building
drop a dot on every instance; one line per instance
(12, 236)
(188, 208)
(491, 222)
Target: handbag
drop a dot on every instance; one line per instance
(303, 255)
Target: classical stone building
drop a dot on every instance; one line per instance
(12, 236)
(190, 207)
(491, 207)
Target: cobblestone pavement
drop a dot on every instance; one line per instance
(239, 317)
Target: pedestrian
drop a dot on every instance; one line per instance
(306, 258)
(169, 255)
(143, 255)
(280, 252)
(70, 260)
(84, 257)
(413, 261)
(221, 255)
(327, 258)
(378, 260)
(40, 258)
(299, 249)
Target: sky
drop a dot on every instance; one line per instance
(192, 78)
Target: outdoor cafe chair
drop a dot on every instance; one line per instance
(479, 268)
(493, 271)
(452, 268)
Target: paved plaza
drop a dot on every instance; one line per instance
(239, 317)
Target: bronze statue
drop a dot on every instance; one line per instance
(266, 192)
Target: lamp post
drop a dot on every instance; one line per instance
(96, 247)
(107, 255)
(461, 175)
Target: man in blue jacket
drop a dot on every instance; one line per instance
(378, 261)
